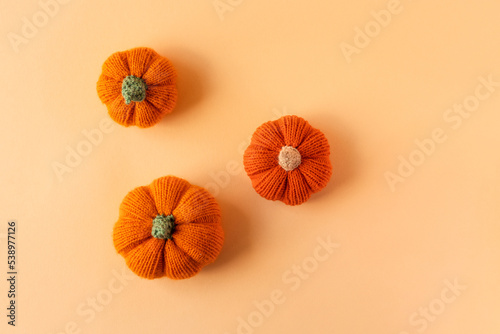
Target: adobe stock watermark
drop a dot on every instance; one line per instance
(222, 179)
(221, 7)
(292, 278)
(31, 25)
(371, 29)
(454, 118)
(428, 314)
(74, 155)
(88, 310)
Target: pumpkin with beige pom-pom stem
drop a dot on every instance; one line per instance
(288, 160)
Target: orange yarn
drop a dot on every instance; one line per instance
(153, 245)
(288, 160)
(149, 68)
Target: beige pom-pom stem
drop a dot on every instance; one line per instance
(289, 158)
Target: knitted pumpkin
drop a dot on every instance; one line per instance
(288, 160)
(169, 228)
(138, 87)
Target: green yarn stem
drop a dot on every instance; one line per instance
(133, 89)
(163, 227)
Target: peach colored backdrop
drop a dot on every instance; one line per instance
(405, 239)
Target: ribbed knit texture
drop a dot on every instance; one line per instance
(269, 178)
(195, 242)
(157, 72)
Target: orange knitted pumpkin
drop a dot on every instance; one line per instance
(169, 228)
(138, 87)
(288, 160)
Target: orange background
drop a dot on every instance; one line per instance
(239, 66)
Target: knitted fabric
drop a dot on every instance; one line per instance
(278, 172)
(159, 77)
(178, 251)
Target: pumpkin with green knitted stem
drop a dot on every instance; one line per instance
(138, 87)
(168, 228)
